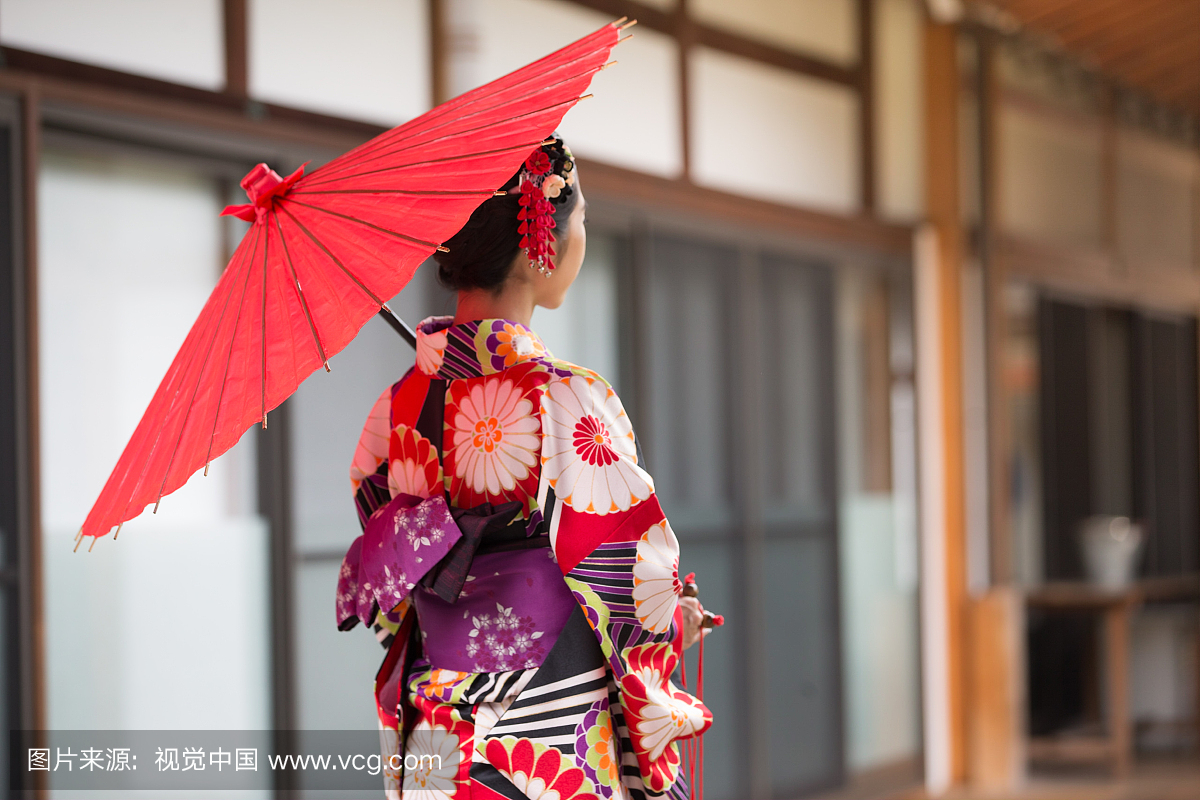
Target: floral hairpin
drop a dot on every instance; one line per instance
(541, 188)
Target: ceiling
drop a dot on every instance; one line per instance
(1152, 45)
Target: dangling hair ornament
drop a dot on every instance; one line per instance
(541, 187)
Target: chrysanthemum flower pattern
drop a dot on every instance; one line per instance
(539, 771)
(656, 585)
(434, 751)
(491, 439)
(431, 345)
(413, 466)
(372, 446)
(657, 713)
(509, 344)
(588, 451)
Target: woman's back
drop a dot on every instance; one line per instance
(521, 548)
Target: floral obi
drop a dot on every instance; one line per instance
(511, 609)
(489, 597)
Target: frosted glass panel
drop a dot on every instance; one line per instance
(771, 133)
(365, 59)
(633, 118)
(688, 343)
(583, 330)
(335, 670)
(794, 320)
(825, 28)
(1156, 201)
(168, 624)
(174, 41)
(1051, 175)
(899, 142)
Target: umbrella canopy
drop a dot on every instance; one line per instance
(324, 252)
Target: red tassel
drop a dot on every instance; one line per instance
(698, 788)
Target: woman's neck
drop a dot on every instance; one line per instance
(514, 302)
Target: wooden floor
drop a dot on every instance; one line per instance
(1152, 779)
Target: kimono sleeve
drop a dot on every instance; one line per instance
(369, 484)
(368, 471)
(620, 558)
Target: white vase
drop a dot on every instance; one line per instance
(1110, 549)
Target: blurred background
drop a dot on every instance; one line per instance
(900, 296)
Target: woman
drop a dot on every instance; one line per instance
(514, 559)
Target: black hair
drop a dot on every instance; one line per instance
(482, 253)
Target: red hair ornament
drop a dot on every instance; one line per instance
(536, 215)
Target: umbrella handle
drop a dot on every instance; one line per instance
(400, 326)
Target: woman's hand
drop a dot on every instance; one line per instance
(693, 617)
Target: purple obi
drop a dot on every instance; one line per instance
(508, 616)
(488, 598)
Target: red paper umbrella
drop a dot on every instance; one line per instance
(323, 254)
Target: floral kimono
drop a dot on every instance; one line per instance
(517, 566)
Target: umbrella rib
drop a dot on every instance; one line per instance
(192, 403)
(458, 118)
(388, 231)
(300, 291)
(229, 353)
(428, 162)
(332, 257)
(263, 343)
(415, 192)
(463, 132)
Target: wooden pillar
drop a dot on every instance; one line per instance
(236, 48)
(32, 614)
(685, 37)
(942, 199)
(997, 752)
(1116, 646)
(866, 104)
(991, 258)
(439, 77)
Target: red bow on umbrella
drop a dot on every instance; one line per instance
(323, 253)
(262, 185)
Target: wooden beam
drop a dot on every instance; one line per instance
(234, 18)
(639, 190)
(61, 76)
(943, 204)
(1092, 273)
